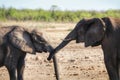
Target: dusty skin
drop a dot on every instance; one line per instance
(75, 62)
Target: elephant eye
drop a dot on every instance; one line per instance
(38, 39)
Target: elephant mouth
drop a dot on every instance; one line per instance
(80, 39)
(40, 49)
(45, 50)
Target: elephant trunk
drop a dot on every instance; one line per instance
(71, 36)
(50, 48)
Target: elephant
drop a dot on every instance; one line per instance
(15, 43)
(94, 32)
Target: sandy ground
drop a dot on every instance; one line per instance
(75, 62)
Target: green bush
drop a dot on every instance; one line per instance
(53, 15)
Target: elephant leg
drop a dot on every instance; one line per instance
(20, 68)
(119, 69)
(118, 61)
(112, 68)
(12, 73)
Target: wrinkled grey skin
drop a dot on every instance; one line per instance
(12, 56)
(94, 32)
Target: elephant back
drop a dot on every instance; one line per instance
(5, 30)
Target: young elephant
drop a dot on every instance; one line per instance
(15, 42)
(94, 32)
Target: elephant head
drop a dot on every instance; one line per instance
(91, 31)
(28, 41)
(39, 42)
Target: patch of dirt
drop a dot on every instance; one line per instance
(75, 62)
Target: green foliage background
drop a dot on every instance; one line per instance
(53, 15)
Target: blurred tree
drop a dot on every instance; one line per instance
(53, 9)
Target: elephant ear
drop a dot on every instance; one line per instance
(21, 39)
(110, 24)
(94, 32)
